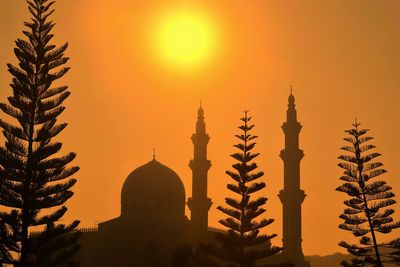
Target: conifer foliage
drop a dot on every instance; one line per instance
(367, 211)
(240, 244)
(35, 183)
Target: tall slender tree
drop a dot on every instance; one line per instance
(240, 244)
(367, 211)
(35, 183)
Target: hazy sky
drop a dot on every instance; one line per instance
(342, 57)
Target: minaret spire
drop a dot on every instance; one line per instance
(292, 195)
(199, 203)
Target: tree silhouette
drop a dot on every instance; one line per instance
(34, 182)
(239, 245)
(366, 213)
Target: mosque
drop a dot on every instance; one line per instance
(152, 223)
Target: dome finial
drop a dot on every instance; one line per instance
(154, 154)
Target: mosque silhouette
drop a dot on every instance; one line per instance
(153, 224)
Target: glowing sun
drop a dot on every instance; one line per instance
(185, 39)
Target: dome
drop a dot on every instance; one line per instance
(153, 192)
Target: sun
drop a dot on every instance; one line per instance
(185, 39)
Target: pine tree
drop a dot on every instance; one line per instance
(240, 244)
(367, 211)
(35, 183)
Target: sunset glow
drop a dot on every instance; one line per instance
(140, 68)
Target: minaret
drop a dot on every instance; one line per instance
(292, 196)
(199, 203)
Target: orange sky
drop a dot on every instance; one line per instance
(343, 58)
